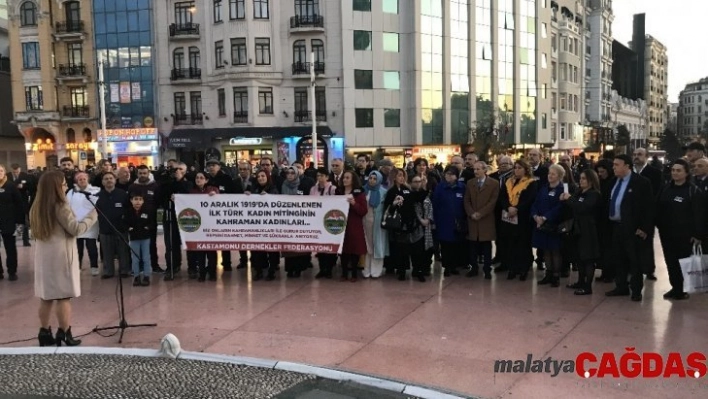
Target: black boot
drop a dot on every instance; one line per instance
(67, 338)
(547, 279)
(555, 280)
(45, 337)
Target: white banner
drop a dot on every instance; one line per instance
(270, 223)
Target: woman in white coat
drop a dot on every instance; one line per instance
(56, 260)
(376, 237)
(81, 206)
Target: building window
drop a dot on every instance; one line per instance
(75, 53)
(544, 61)
(195, 105)
(307, 8)
(78, 97)
(28, 14)
(390, 42)
(391, 80)
(392, 118)
(237, 9)
(265, 100)
(362, 40)
(563, 99)
(241, 101)
(301, 107)
(194, 58)
(544, 30)
(219, 54)
(180, 104)
(544, 120)
(321, 102)
(390, 6)
(300, 52)
(221, 100)
(178, 58)
(363, 79)
(33, 98)
(183, 13)
(563, 131)
(30, 55)
(239, 53)
(217, 11)
(262, 51)
(361, 5)
(364, 117)
(260, 9)
(318, 49)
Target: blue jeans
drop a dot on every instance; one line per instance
(142, 248)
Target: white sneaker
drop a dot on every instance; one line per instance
(95, 271)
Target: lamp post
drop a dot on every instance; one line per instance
(313, 101)
(102, 103)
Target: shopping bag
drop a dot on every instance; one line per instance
(695, 271)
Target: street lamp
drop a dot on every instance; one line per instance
(102, 101)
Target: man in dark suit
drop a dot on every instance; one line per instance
(655, 177)
(700, 174)
(540, 172)
(27, 186)
(337, 167)
(631, 215)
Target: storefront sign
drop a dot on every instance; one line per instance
(43, 145)
(436, 150)
(79, 146)
(273, 223)
(142, 134)
(245, 141)
(133, 147)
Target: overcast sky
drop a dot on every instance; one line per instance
(680, 25)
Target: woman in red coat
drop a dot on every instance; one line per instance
(354, 239)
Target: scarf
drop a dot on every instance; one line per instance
(375, 191)
(290, 187)
(514, 189)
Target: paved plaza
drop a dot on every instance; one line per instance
(445, 333)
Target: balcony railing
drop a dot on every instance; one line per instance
(185, 119)
(240, 116)
(185, 29)
(69, 27)
(306, 115)
(186, 73)
(75, 111)
(72, 69)
(303, 68)
(307, 21)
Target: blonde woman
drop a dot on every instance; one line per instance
(56, 259)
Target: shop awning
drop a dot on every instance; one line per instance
(203, 138)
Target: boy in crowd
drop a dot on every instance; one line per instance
(140, 223)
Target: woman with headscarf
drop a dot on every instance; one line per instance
(295, 262)
(376, 237)
(260, 260)
(321, 188)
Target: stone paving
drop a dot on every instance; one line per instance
(445, 333)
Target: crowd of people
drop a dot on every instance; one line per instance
(585, 215)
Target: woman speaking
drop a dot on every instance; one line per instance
(56, 260)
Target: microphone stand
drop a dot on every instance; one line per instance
(169, 274)
(123, 323)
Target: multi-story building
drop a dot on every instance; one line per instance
(633, 115)
(439, 71)
(125, 51)
(599, 88)
(569, 77)
(235, 78)
(692, 113)
(53, 79)
(652, 72)
(11, 142)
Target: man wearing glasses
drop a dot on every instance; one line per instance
(335, 176)
(362, 167)
(267, 166)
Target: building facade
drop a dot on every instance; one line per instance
(569, 56)
(692, 112)
(656, 78)
(633, 115)
(237, 76)
(53, 79)
(599, 89)
(125, 51)
(12, 148)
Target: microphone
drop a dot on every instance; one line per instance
(86, 193)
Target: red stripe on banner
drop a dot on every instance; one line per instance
(261, 246)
